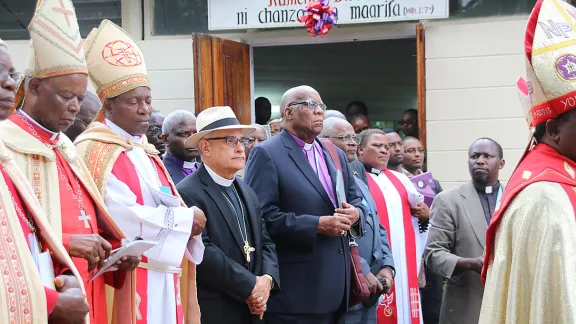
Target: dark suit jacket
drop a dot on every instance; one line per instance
(223, 279)
(174, 170)
(315, 268)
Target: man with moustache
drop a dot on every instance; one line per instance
(400, 213)
(240, 267)
(154, 133)
(22, 221)
(49, 99)
(307, 215)
(135, 185)
(180, 160)
(529, 262)
(458, 222)
(395, 163)
(88, 110)
(374, 248)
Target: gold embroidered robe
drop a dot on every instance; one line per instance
(531, 279)
(100, 147)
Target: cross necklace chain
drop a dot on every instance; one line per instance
(247, 248)
(76, 196)
(27, 219)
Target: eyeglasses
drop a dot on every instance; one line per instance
(154, 130)
(312, 104)
(15, 76)
(413, 151)
(231, 141)
(407, 122)
(345, 137)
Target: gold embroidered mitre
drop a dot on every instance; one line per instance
(55, 41)
(550, 44)
(115, 62)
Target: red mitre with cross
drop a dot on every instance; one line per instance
(550, 44)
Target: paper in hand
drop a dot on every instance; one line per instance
(132, 249)
(340, 191)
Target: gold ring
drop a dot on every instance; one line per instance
(342, 233)
(260, 298)
(97, 259)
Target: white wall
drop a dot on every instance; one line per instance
(170, 69)
(471, 69)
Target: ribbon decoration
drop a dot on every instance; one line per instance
(319, 17)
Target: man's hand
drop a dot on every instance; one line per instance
(91, 247)
(71, 306)
(386, 274)
(373, 284)
(470, 264)
(336, 225)
(421, 211)
(349, 212)
(199, 221)
(259, 297)
(127, 263)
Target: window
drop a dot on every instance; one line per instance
(15, 15)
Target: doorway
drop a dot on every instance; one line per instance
(382, 74)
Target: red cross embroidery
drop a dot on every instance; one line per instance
(64, 11)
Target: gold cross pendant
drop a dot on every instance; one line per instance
(247, 250)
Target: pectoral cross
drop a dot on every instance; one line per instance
(247, 250)
(85, 218)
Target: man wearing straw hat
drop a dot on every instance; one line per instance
(48, 100)
(529, 260)
(240, 266)
(135, 185)
(26, 297)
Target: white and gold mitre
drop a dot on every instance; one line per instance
(55, 41)
(115, 62)
(550, 45)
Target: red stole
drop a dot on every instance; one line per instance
(543, 163)
(124, 170)
(387, 312)
(71, 223)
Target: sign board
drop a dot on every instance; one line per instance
(252, 14)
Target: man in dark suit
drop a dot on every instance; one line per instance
(240, 266)
(180, 160)
(296, 181)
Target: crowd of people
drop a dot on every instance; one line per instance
(313, 218)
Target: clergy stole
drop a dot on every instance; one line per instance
(387, 312)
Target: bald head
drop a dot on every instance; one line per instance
(333, 113)
(300, 118)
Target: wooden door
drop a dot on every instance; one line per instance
(421, 82)
(222, 75)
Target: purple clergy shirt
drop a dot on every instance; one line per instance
(183, 165)
(315, 156)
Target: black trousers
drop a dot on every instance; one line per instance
(331, 318)
(432, 297)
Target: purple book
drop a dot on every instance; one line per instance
(425, 185)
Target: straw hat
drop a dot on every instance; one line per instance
(213, 119)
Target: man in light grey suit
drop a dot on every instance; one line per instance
(374, 247)
(457, 235)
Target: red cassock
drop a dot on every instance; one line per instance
(75, 223)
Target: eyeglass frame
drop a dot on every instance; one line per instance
(150, 129)
(310, 104)
(353, 137)
(244, 140)
(407, 122)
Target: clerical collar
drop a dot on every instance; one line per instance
(124, 134)
(303, 145)
(487, 190)
(372, 170)
(217, 178)
(53, 136)
(181, 163)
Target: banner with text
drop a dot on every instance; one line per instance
(249, 14)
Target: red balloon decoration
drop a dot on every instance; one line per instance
(319, 17)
